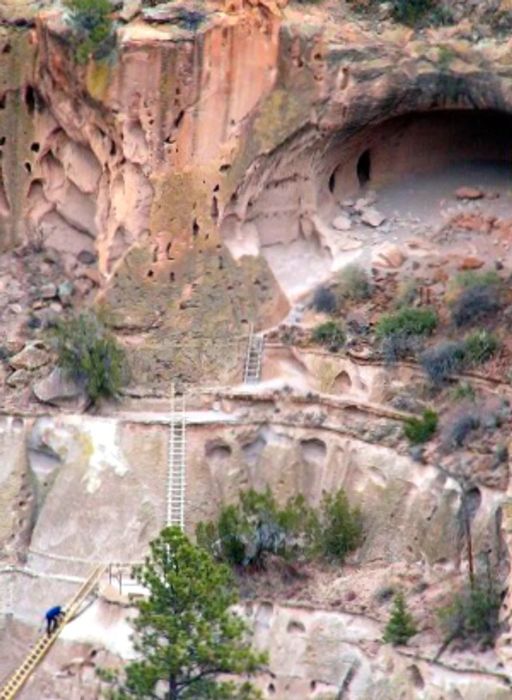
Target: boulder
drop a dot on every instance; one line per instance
(471, 263)
(372, 217)
(31, 357)
(65, 292)
(18, 379)
(366, 201)
(388, 255)
(59, 389)
(342, 223)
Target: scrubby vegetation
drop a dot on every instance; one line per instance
(479, 347)
(443, 360)
(399, 346)
(400, 627)
(473, 613)
(354, 283)
(246, 533)
(329, 334)
(474, 296)
(324, 301)
(449, 357)
(92, 27)
(91, 355)
(407, 321)
(419, 430)
(458, 426)
(463, 391)
(406, 293)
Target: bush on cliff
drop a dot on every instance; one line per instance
(400, 627)
(354, 283)
(419, 430)
(407, 321)
(324, 301)
(92, 26)
(246, 533)
(473, 613)
(89, 354)
(329, 334)
(189, 642)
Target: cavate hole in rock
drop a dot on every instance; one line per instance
(473, 500)
(252, 450)
(313, 450)
(364, 165)
(264, 613)
(295, 627)
(342, 383)
(219, 451)
(415, 676)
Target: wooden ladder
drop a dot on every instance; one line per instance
(42, 646)
(252, 370)
(176, 463)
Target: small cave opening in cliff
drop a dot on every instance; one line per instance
(364, 165)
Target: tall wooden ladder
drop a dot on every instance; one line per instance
(42, 646)
(252, 370)
(177, 462)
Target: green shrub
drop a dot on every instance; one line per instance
(418, 430)
(471, 278)
(473, 613)
(93, 27)
(329, 334)
(354, 283)
(339, 530)
(479, 347)
(89, 354)
(245, 533)
(407, 321)
(400, 627)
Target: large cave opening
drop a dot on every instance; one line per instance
(419, 143)
(296, 210)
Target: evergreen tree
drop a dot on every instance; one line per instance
(400, 627)
(186, 636)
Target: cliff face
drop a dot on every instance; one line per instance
(197, 182)
(189, 174)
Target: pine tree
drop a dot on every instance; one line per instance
(186, 635)
(400, 627)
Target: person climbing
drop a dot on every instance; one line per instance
(53, 617)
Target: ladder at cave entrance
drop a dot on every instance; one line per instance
(252, 369)
(42, 646)
(177, 463)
